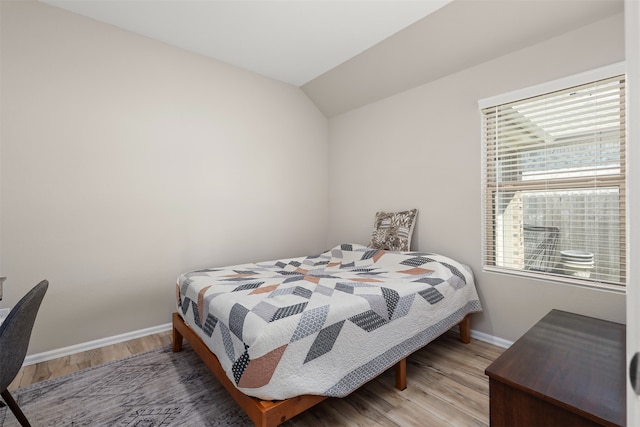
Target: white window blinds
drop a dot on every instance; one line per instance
(554, 184)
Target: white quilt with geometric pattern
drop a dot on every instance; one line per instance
(323, 324)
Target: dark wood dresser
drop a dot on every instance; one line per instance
(567, 370)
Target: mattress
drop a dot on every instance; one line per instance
(323, 324)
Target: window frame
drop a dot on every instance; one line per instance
(490, 186)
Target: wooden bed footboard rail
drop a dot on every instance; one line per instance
(263, 413)
(268, 413)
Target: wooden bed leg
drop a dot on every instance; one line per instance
(401, 374)
(465, 329)
(263, 413)
(177, 336)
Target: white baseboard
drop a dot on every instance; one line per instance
(90, 345)
(491, 339)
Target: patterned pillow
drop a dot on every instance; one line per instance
(392, 230)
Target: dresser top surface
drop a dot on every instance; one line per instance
(573, 361)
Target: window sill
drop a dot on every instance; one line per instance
(553, 278)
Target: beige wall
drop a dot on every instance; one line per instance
(126, 162)
(422, 149)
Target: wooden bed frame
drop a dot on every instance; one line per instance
(270, 413)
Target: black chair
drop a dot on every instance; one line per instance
(15, 333)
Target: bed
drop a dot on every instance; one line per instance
(283, 335)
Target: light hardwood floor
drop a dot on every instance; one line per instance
(446, 385)
(65, 365)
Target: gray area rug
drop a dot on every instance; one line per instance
(157, 388)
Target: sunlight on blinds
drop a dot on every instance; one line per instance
(554, 184)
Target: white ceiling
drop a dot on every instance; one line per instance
(347, 53)
(293, 41)
(462, 34)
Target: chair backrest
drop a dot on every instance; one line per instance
(15, 333)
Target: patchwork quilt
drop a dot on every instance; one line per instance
(323, 324)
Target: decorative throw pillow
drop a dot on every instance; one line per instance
(392, 230)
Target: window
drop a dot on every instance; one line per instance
(554, 181)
